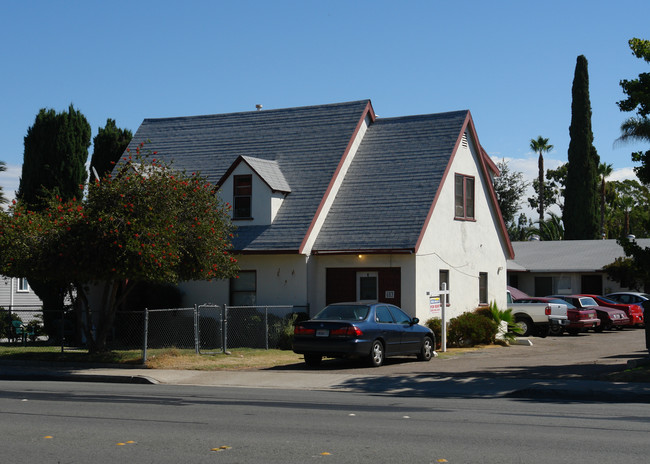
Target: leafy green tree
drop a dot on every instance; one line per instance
(509, 187)
(108, 146)
(144, 223)
(627, 209)
(553, 188)
(604, 171)
(628, 274)
(541, 146)
(637, 128)
(580, 215)
(522, 230)
(54, 163)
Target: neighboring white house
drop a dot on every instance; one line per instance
(335, 204)
(16, 293)
(565, 267)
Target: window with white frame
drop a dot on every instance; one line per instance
(22, 285)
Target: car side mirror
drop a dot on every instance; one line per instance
(414, 321)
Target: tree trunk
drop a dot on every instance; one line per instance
(540, 164)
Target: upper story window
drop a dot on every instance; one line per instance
(464, 197)
(23, 286)
(242, 193)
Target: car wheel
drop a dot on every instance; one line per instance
(313, 360)
(525, 325)
(426, 353)
(377, 354)
(556, 330)
(602, 327)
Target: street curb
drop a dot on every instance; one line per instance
(99, 378)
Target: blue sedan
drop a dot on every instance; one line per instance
(357, 330)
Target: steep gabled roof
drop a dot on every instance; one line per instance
(306, 143)
(385, 198)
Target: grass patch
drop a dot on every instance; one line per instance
(169, 358)
(239, 359)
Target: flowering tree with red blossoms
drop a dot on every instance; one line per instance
(145, 222)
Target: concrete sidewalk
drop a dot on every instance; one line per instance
(400, 384)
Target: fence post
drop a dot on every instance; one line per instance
(196, 329)
(146, 332)
(62, 331)
(266, 325)
(224, 334)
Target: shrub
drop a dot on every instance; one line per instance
(435, 324)
(470, 329)
(285, 341)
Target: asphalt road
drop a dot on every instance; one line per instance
(65, 422)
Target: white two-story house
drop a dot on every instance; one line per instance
(333, 204)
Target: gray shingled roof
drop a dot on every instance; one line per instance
(391, 183)
(566, 255)
(307, 144)
(269, 171)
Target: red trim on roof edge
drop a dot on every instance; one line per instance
(368, 111)
(484, 161)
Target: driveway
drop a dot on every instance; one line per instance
(587, 356)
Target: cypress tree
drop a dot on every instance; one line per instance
(108, 145)
(54, 162)
(580, 215)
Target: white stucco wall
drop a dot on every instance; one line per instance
(320, 263)
(465, 248)
(264, 203)
(281, 280)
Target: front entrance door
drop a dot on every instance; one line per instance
(367, 287)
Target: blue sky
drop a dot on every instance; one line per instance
(511, 63)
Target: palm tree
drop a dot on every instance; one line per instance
(3, 168)
(604, 171)
(552, 229)
(635, 129)
(541, 146)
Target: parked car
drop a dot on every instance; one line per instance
(580, 319)
(538, 318)
(633, 311)
(610, 318)
(356, 330)
(629, 297)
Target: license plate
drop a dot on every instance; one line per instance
(322, 333)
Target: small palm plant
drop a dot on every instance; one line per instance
(512, 329)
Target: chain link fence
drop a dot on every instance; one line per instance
(206, 329)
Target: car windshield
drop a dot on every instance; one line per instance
(588, 301)
(607, 300)
(343, 312)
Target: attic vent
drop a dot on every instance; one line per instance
(463, 141)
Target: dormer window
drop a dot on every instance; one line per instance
(242, 193)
